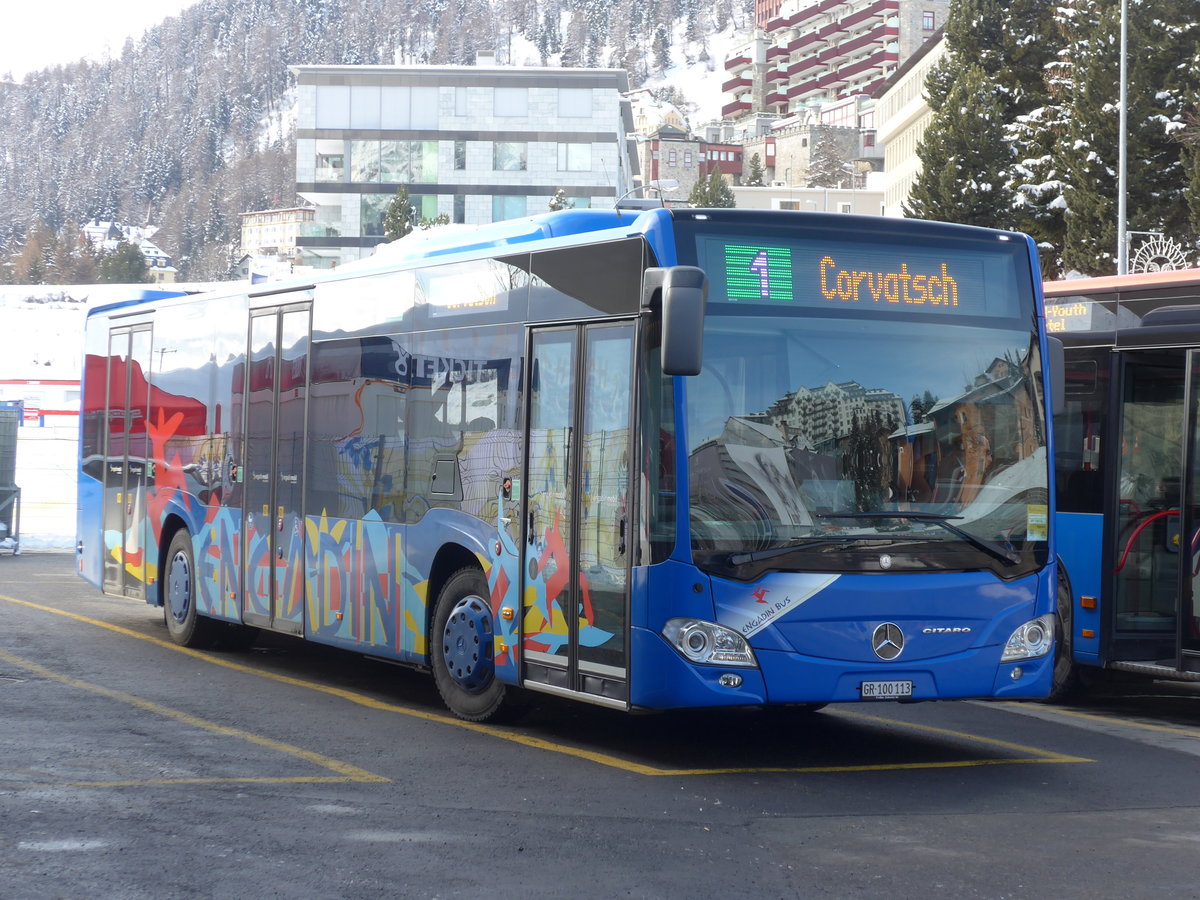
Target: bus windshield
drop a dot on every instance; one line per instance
(860, 400)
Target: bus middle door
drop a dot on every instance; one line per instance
(275, 428)
(577, 529)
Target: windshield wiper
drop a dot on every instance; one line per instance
(739, 559)
(999, 551)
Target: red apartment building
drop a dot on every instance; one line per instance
(807, 53)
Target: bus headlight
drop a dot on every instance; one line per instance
(1031, 640)
(708, 643)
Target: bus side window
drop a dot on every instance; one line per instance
(356, 428)
(1077, 457)
(463, 413)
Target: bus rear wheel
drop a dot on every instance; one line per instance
(461, 644)
(184, 624)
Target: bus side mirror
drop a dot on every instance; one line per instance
(1058, 374)
(684, 294)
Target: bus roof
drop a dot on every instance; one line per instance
(566, 227)
(1070, 286)
(137, 296)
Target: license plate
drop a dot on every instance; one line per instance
(886, 690)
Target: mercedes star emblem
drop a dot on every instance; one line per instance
(887, 641)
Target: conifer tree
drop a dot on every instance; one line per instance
(124, 264)
(829, 162)
(974, 148)
(662, 48)
(1035, 123)
(712, 191)
(1159, 90)
(559, 201)
(1190, 138)
(1089, 165)
(754, 177)
(964, 157)
(399, 215)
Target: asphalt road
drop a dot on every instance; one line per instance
(131, 768)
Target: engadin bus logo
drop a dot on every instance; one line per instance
(754, 611)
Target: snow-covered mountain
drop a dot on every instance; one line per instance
(193, 124)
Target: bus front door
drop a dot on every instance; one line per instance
(273, 528)
(1152, 560)
(577, 528)
(127, 462)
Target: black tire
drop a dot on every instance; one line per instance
(1065, 682)
(185, 626)
(461, 650)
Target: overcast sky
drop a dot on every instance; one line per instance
(35, 34)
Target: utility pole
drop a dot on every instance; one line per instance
(1122, 141)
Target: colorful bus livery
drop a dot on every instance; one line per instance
(634, 459)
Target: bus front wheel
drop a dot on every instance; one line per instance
(461, 648)
(185, 626)
(1065, 679)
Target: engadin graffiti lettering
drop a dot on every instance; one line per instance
(361, 590)
(217, 558)
(286, 562)
(549, 567)
(258, 561)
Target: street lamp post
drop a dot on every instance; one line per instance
(1122, 162)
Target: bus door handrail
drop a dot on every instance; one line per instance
(1137, 531)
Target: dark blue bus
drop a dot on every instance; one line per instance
(1126, 458)
(647, 460)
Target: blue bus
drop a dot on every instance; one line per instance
(646, 459)
(1125, 459)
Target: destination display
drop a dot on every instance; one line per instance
(1078, 313)
(854, 275)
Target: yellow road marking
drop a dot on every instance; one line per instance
(160, 782)
(1030, 754)
(347, 772)
(1042, 755)
(1109, 720)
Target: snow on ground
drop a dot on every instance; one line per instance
(699, 80)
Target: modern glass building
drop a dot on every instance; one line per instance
(475, 144)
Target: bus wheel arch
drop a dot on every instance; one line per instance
(172, 525)
(461, 650)
(449, 560)
(1065, 679)
(177, 591)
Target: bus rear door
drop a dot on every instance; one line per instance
(576, 526)
(126, 461)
